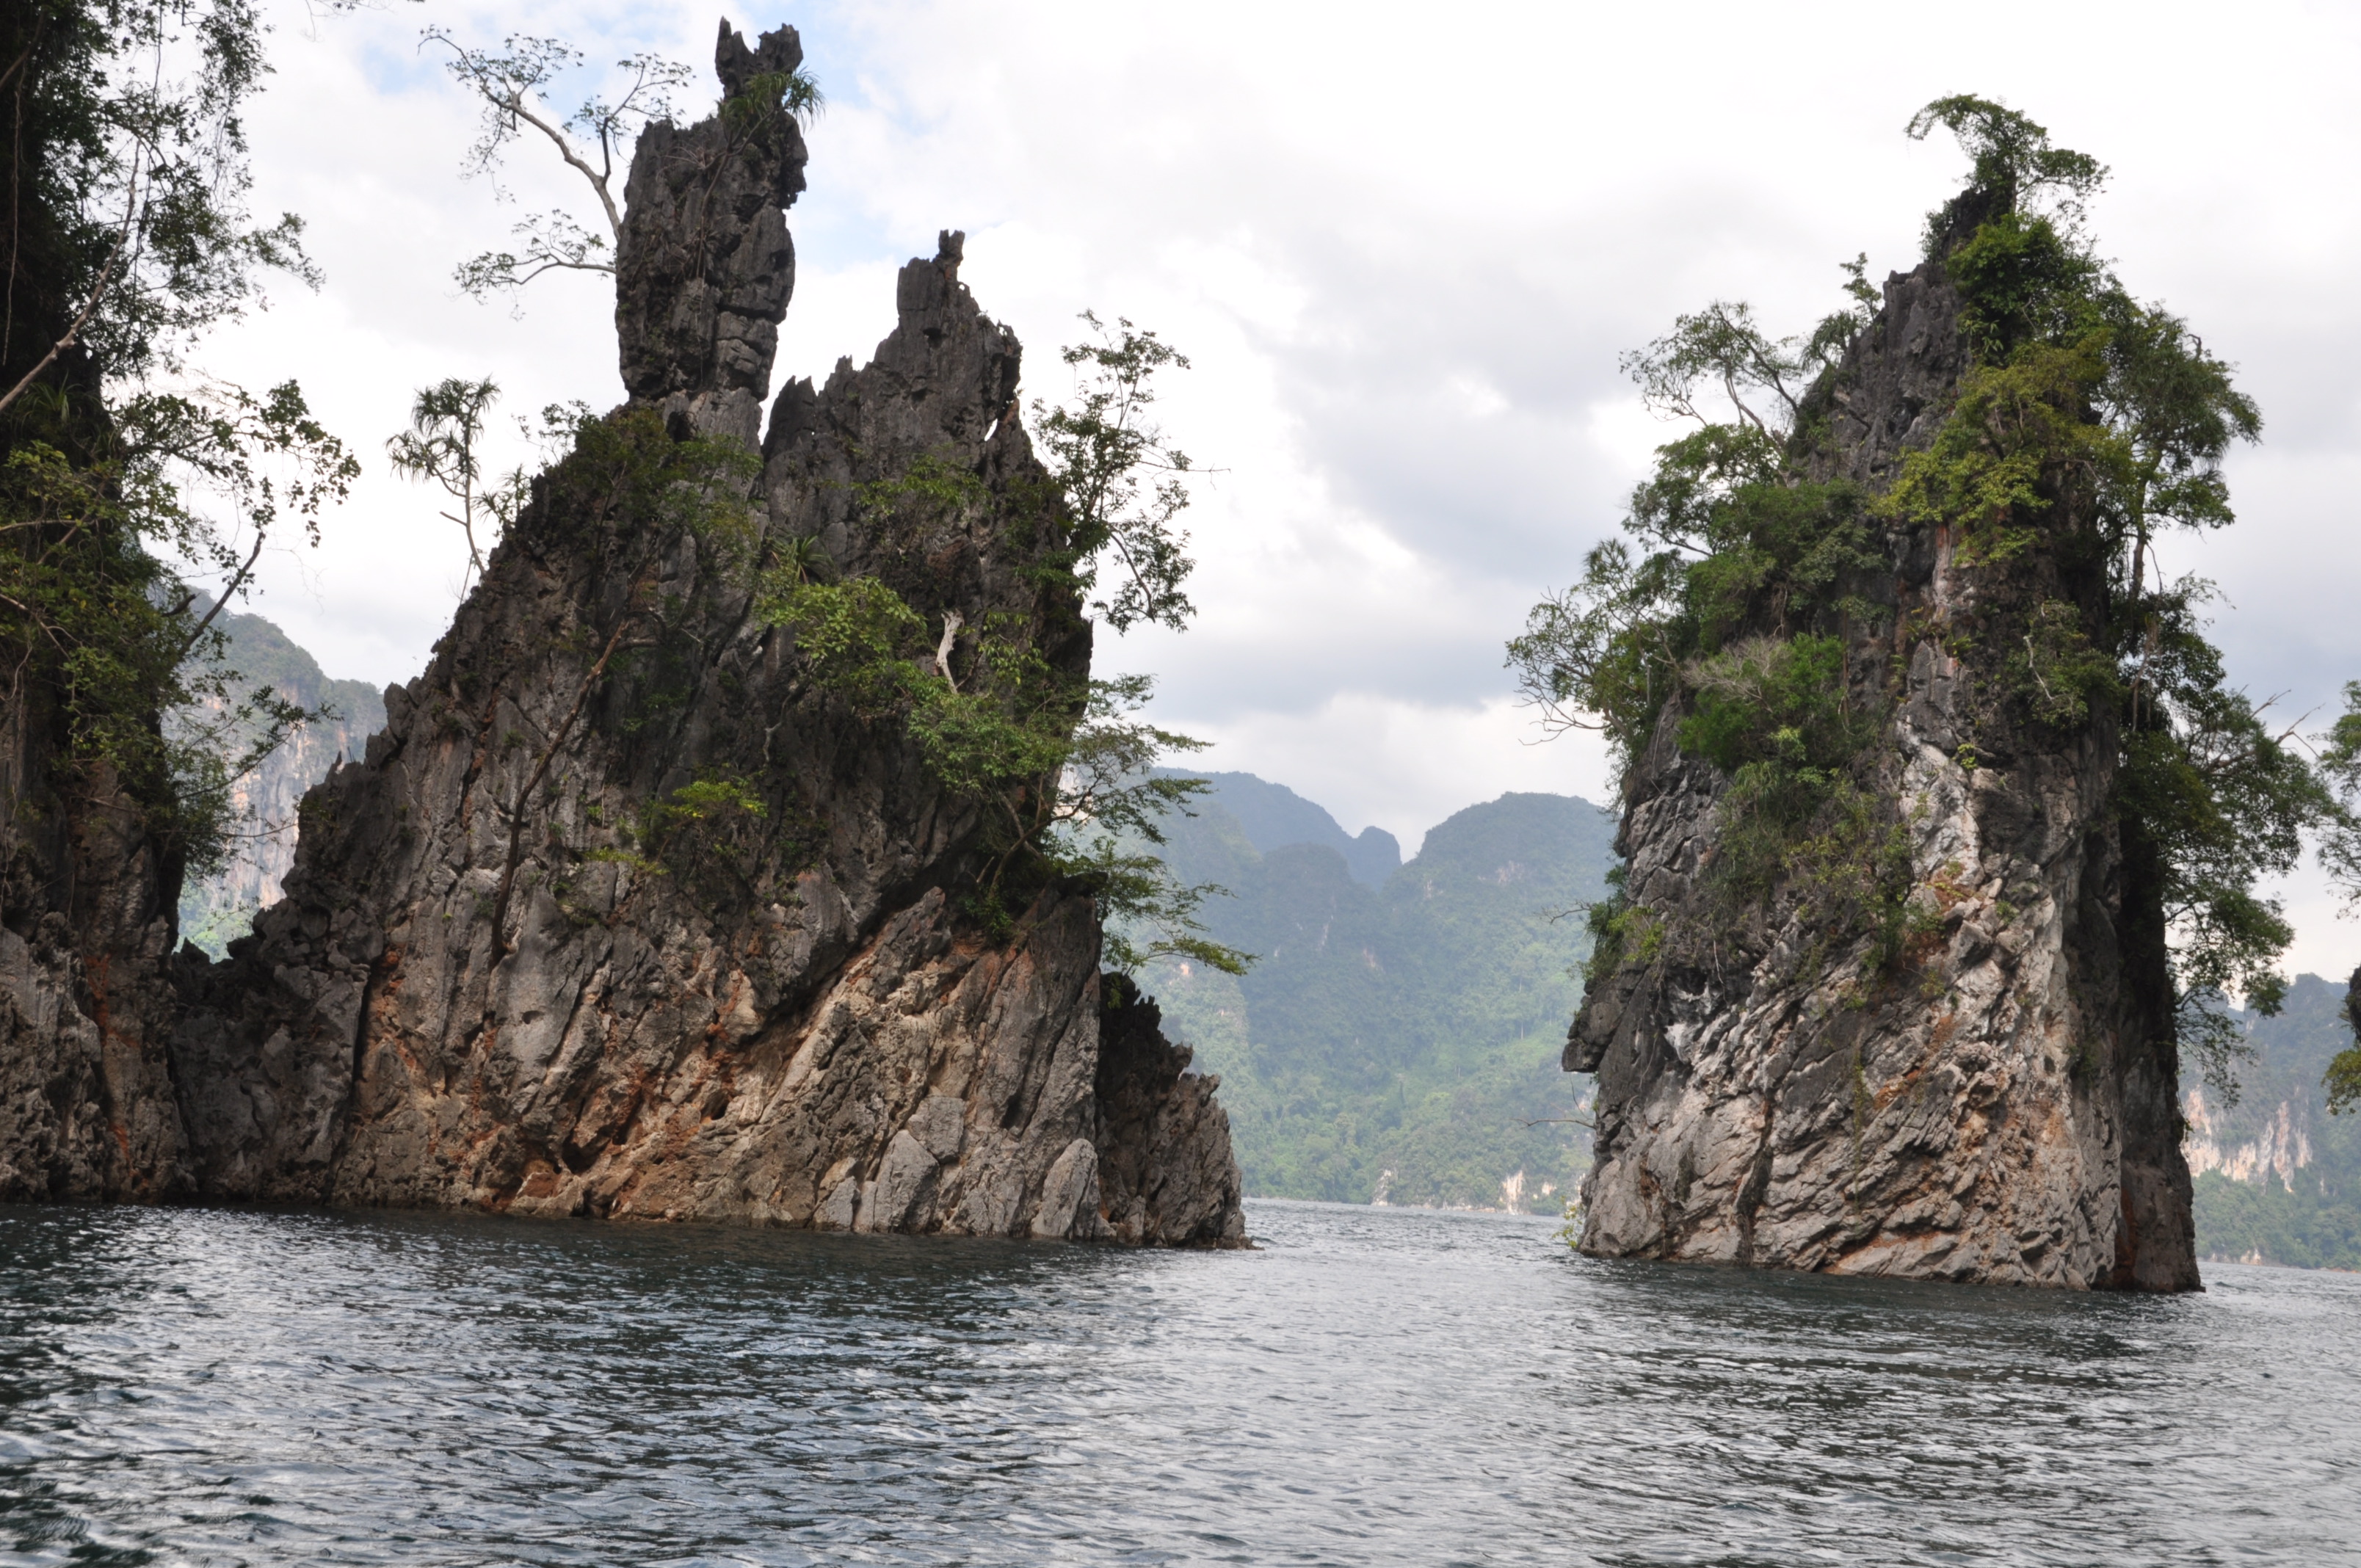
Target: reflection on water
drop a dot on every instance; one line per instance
(1374, 1386)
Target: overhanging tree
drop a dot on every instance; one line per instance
(137, 493)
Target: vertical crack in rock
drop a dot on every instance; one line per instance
(1999, 1105)
(495, 981)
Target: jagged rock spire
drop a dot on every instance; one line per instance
(473, 995)
(1992, 1099)
(706, 266)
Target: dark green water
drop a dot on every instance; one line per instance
(1373, 1387)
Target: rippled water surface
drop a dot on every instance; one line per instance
(1373, 1385)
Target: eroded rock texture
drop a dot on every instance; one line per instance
(504, 977)
(1995, 1104)
(706, 266)
(87, 1109)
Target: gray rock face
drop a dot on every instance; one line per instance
(268, 797)
(705, 267)
(503, 977)
(1998, 1105)
(87, 1110)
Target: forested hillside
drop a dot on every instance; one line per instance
(2278, 1179)
(1398, 1042)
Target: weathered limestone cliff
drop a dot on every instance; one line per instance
(627, 912)
(1994, 1103)
(87, 1110)
(254, 872)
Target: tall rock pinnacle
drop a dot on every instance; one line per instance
(512, 971)
(706, 266)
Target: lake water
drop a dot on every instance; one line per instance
(1372, 1387)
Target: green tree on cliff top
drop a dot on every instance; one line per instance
(2088, 422)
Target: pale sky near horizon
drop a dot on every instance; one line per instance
(1403, 249)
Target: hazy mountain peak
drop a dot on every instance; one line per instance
(1273, 816)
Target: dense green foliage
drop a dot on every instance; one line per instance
(1062, 766)
(129, 478)
(2087, 423)
(1735, 607)
(1413, 1029)
(2306, 1215)
(2239, 1221)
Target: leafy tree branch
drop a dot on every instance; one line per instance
(2088, 422)
(1123, 483)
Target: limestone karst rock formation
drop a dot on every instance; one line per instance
(504, 978)
(2001, 1107)
(87, 1110)
(706, 266)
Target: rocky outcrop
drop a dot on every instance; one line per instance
(87, 1107)
(705, 266)
(1148, 1102)
(523, 964)
(1995, 1102)
(2276, 1151)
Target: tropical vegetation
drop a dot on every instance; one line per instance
(2088, 424)
(1398, 1042)
(137, 492)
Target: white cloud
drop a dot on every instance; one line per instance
(1403, 249)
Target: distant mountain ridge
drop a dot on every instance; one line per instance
(1393, 1042)
(1273, 816)
(219, 909)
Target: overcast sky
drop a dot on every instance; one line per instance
(1403, 247)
